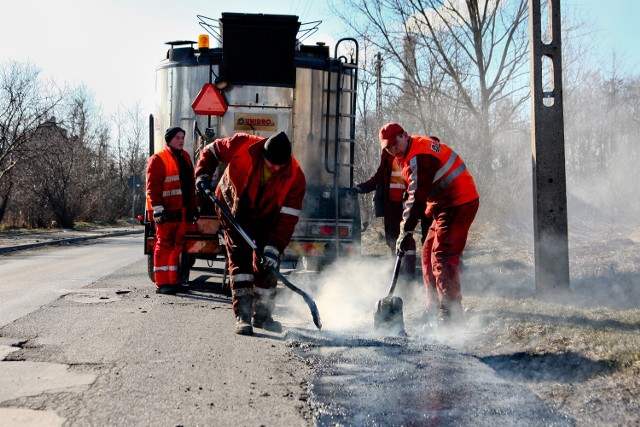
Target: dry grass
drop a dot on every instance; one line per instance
(537, 327)
(585, 362)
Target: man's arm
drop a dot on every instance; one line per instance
(207, 163)
(155, 182)
(288, 217)
(422, 171)
(371, 184)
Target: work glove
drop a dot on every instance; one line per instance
(203, 183)
(270, 257)
(403, 241)
(354, 191)
(159, 217)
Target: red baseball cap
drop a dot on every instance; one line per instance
(388, 134)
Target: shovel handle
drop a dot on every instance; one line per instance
(396, 272)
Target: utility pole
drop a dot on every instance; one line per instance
(378, 87)
(551, 246)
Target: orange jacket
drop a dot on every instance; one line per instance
(436, 176)
(164, 191)
(278, 206)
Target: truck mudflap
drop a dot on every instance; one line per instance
(196, 244)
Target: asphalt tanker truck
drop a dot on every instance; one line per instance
(261, 79)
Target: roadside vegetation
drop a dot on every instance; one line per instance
(583, 361)
(62, 161)
(459, 72)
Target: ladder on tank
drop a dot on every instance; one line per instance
(341, 67)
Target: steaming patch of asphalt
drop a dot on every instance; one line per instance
(22, 379)
(367, 380)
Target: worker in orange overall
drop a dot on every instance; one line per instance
(171, 198)
(439, 186)
(263, 187)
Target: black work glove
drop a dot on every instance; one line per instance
(203, 183)
(159, 217)
(270, 257)
(354, 191)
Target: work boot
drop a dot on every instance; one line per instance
(168, 289)
(242, 301)
(450, 313)
(243, 326)
(443, 315)
(265, 302)
(267, 323)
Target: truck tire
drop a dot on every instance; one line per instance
(150, 267)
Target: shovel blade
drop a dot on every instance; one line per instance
(388, 318)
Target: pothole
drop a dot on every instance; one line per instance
(93, 296)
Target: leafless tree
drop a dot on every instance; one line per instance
(455, 59)
(62, 169)
(457, 69)
(26, 102)
(130, 155)
(63, 176)
(601, 129)
(131, 141)
(367, 148)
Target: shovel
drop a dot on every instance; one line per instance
(310, 302)
(388, 319)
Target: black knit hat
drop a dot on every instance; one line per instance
(277, 149)
(171, 132)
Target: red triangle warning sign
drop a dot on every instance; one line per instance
(209, 101)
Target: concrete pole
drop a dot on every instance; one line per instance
(547, 142)
(379, 88)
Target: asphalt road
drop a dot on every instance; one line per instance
(107, 350)
(34, 278)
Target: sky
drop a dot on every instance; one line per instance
(114, 46)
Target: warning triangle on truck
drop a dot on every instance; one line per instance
(209, 101)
